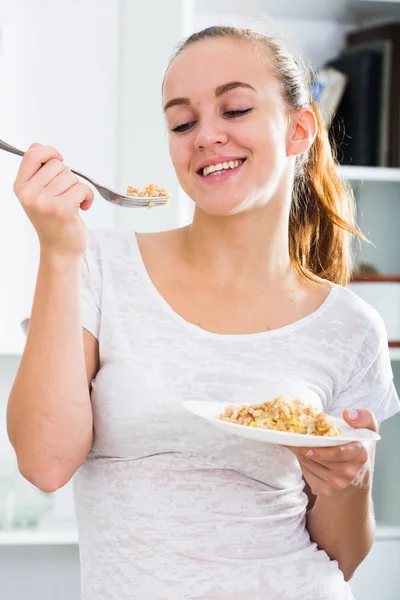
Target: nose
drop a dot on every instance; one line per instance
(209, 134)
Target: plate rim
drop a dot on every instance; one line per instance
(375, 436)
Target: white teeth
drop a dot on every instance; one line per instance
(220, 167)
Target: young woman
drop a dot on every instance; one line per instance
(251, 292)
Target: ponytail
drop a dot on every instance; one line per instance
(322, 216)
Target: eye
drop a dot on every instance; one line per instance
(231, 114)
(237, 113)
(183, 127)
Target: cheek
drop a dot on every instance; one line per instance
(179, 152)
(272, 142)
(263, 138)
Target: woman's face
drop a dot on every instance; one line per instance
(224, 106)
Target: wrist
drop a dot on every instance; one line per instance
(59, 261)
(358, 491)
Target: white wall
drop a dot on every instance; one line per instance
(59, 86)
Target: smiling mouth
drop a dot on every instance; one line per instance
(220, 168)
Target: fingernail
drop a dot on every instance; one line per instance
(309, 453)
(352, 413)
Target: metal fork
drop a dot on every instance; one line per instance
(106, 193)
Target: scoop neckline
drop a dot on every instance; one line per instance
(195, 329)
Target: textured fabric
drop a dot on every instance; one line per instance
(170, 507)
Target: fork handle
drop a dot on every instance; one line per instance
(13, 150)
(96, 185)
(8, 148)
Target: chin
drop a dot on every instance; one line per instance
(221, 203)
(220, 208)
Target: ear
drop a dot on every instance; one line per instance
(302, 132)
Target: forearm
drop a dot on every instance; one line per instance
(49, 413)
(344, 526)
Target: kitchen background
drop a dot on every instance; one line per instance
(85, 76)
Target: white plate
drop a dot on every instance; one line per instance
(210, 410)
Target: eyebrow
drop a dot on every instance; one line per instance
(221, 89)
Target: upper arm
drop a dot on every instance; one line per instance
(91, 347)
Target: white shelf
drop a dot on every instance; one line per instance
(38, 537)
(383, 174)
(387, 532)
(394, 353)
(63, 537)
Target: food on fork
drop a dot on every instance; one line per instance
(282, 414)
(149, 191)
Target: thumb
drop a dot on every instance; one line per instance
(34, 145)
(88, 201)
(358, 418)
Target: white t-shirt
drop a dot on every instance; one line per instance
(170, 507)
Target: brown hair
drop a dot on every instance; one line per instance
(322, 212)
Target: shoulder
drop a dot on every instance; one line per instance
(108, 250)
(118, 250)
(110, 247)
(366, 377)
(161, 240)
(108, 241)
(356, 315)
(111, 240)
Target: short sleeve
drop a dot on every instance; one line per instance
(90, 292)
(371, 384)
(91, 301)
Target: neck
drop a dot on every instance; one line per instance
(241, 249)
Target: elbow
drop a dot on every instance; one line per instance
(348, 573)
(49, 486)
(48, 474)
(45, 480)
(349, 569)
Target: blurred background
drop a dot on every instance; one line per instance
(85, 76)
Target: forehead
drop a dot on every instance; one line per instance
(207, 64)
